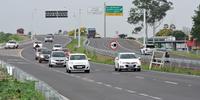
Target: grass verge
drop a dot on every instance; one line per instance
(186, 54)
(109, 60)
(93, 55)
(11, 89)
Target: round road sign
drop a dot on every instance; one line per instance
(114, 45)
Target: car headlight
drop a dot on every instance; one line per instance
(53, 61)
(41, 56)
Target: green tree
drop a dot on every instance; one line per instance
(196, 26)
(156, 11)
(179, 35)
(165, 32)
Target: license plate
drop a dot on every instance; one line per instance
(79, 67)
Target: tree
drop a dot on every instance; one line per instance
(196, 26)
(179, 35)
(156, 11)
(165, 32)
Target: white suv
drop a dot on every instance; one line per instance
(11, 44)
(78, 62)
(37, 44)
(147, 49)
(48, 39)
(127, 61)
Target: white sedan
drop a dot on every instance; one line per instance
(57, 47)
(11, 44)
(77, 62)
(127, 61)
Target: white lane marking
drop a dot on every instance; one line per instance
(108, 85)
(157, 98)
(139, 77)
(130, 91)
(143, 94)
(100, 83)
(118, 88)
(90, 80)
(169, 82)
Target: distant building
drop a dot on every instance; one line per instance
(20, 31)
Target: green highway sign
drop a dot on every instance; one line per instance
(114, 10)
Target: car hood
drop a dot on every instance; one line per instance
(58, 58)
(78, 62)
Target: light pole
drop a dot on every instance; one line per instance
(145, 31)
(79, 32)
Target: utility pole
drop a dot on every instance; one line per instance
(145, 31)
(104, 19)
(74, 26)
(79, 32)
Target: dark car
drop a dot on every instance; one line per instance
(44, 55)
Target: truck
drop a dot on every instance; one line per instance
(91, 33)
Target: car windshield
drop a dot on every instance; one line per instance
(77, 57)
(127, 56)
(57, 46)
(38, 42)
(58, 54)
(48, 37)
(46, 52)
(11, 42)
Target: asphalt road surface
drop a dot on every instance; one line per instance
(105, 84)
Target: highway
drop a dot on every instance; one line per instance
(103, 83)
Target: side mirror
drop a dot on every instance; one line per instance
(67, 59)
(139, 58)
(117, 58)
(89, 59)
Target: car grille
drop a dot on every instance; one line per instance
(79, 66)
(60, 60)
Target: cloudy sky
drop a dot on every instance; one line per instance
(30, 15)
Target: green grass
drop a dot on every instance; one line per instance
(11, 89)
(178, 70)
(91, 54)
(186, 54)
(4, 37)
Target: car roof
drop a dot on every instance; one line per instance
(77, 54)
(126, 53)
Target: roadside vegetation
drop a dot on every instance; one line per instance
(110, 60)
(11, 89)
(179, 70)
(186, 54)
(92, 55)
(4, 37)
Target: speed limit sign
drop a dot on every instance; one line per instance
(114, 45)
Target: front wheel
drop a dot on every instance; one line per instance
(87, 71)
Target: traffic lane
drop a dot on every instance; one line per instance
(126, 87)
(74, 87)
(64, 40)
(146, 83)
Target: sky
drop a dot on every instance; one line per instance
(30, 15)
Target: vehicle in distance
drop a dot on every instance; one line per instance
(48, 39)
(91, 33)
(57, 47)
(44, 55)
(37, 44)
(147, 49)
(11, 44)
(97, 36)
(57, 58)
(37, 53)
(77, 62)
(127, 61)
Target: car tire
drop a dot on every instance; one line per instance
(139, 70)
(40, 61)
(50, 65)
(36, 58)
(87, 71)
(116, 69)
(69, 71)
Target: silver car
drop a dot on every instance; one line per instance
(57, 58)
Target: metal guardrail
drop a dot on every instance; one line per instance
(173, 62)
(45, 89)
